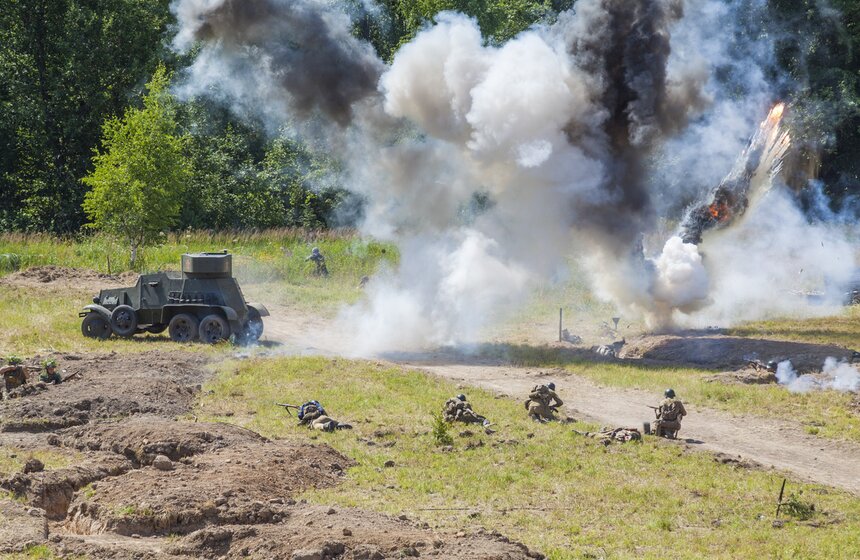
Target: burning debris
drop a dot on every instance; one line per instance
(761, 159)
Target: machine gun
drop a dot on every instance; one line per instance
(287, 407)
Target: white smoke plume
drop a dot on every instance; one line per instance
(487, 165)
(835, 375)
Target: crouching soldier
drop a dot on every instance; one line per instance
(13, 374)
(669, 415)
(458, 410)
(543, 403)
(50, 374)
(313, 414)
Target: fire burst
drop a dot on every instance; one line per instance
(747, 182)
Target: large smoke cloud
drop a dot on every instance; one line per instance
(298, 55)
(488, 165)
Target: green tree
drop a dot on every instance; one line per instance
(138, 181)
(66, 66)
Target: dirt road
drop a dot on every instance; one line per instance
(769, 442)
(775, 443)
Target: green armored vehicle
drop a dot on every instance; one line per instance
(203, 302)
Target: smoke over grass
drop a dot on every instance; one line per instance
(568, 133)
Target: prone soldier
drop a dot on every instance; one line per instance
(457, 409)
(313, 415)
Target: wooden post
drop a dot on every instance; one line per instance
(559, 323)
(779, 503)
(108, 259)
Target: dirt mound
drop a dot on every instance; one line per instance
(308, 533)
(141, 439)
(748, 376)
(162, 383)
(52, 491)
(21, 526)
(71, 278)
(716, 351)
(240, 484)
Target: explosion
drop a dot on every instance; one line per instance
(489, 164)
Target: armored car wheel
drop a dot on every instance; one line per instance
(95, 326)
(183, 328)
(214, 328)
(123, 321)
(253, 329)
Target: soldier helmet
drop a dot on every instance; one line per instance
(772, 365)
(13, 360)
(670, 393)
(551, 386)
(462, 397)
(315, 251)
(50, 363)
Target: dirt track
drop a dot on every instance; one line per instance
(775, 443)
(768, 442)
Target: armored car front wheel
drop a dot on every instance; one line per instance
(95, 326)
(123, 321)
(214, 328)
(183, 328)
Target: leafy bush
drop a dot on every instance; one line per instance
(441, 431)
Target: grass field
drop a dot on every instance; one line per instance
(558, 491)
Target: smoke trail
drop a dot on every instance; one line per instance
(291, 53)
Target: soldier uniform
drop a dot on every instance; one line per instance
(458, 410)
(50, 375)
(319, 261)
(669, 415)
(542, 401)
(313, 415)
(13, 374)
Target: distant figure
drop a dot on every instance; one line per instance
(312, 414)
(456, 409)
(50, 375)
(363, 282)
(13, 374)
(318, 260)
(543, 403)
(669, 415)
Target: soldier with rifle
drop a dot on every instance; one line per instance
(319, 261)
(313, 415)
(669, 415)
(543, 403)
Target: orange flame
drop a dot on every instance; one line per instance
(719, 211)
(776, 113)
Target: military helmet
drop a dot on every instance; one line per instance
(13, 360)
(551, 386)
(772, 365)
(315, 251)
(670, 393)
(461, 397)
(50, 363)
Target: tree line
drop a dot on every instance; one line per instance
(80, 78)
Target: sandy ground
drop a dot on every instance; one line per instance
(769, 442)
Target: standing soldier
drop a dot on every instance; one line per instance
(458, 410)
(318, 260)
(13, 374)
(50, 374)
(669, 415)
(543, 403)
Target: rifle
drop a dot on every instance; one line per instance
(71, 375)
(287, 407)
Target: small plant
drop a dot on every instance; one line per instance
(441, 431)
(795, 507)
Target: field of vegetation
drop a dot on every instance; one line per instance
(556, 490)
